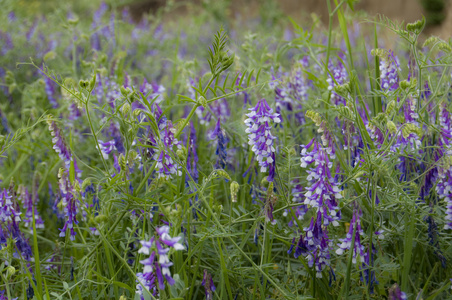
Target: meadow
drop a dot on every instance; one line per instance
(201, 156)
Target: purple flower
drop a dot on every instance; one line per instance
(166, 166)
(29, 207)
(396, 294)
(323, 189)
(314, 246)
(50, 91)
(7, 211)
(192, 157)
(259, 124)
(444, 190)
(152, 91)
(389, 76)
(207, 283)
(222, 141)
(156, 266)
(107, 147)
(339, 77)
(59, 144)
(358, 248)
(69, 203)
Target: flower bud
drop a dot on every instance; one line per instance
(86, 183)
(125, 91)
(92, 82)
(390, 107)
(73, 21)
(101, 219)
(125, 109)
(202, 101)
(415, 27)
(235, 187)
(10, 271)
(182, 153)
(392, 128)
(122, 162)
(223, 174)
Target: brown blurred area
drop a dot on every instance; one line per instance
(440, 21)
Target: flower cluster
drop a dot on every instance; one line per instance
(323, 189)
(50, 91)
(222, 141)
(166, 166)
(59, 144)
(358, 248)
(152, 91)
(314, 246)
(207, 283)
(259, 124)
(7, 211)
(69, 203)
(156, 266)
(395, 293)
(389, 67)
(339, 77)
(30, 207)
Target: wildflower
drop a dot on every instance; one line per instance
(7, 211)
(192, 157)
(50, 91)
(156, 266)
(166, 166)
(367, 275)
(260, 137)
(358, 249)
(315, 245)
(323, 190)
(207, 283)
(389, 76)
(152, 91)
(29, 206)
(221, 146)
(338, 76)
(59, 144)
(107, 147)
(270, 205)
(69, 204)
(396, 294)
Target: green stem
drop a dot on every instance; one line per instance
(96, 141)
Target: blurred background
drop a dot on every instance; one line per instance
(438, 13)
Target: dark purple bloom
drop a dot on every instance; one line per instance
(222, 141)
(396, 294)
(69, 203)
(207, 283)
